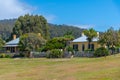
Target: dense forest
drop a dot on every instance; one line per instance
(60, 30)
(7, 25)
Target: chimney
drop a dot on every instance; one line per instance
(98, 34)
(14, 37)
(39, 34)
(83, 34)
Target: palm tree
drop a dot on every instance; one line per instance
(91, 34)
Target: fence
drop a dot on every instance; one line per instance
(38, 54)
(84, 54)
(65, 54)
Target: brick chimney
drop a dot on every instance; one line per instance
(39, 34)
(98, 34)
(14, 37)
(82, 34)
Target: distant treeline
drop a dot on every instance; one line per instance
(7, 25)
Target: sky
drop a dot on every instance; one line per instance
(97, 14)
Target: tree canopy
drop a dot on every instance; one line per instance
(1, 42)
(31, 42)
(31, 24)
(57, 43)
(110, 38)
(6, 27)
(90, 33)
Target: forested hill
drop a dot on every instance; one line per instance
(6, 28)
(55, 30)
(60, 30)
(7, 24)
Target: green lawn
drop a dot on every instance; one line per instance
(61, 69)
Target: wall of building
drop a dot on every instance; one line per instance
(12, 49)
(96, 45)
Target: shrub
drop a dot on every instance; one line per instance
(101, 52)
(18, 55)
(88, 50)
(55, 53)
(68, 48)
(2, 55)
(5, 55)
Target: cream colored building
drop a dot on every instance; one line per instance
(81, 43)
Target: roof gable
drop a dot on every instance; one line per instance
(13, 42)
(83, 39)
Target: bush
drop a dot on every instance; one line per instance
(18, 55)
(101, 52)
(88, 50)
(5, 55)
(55, 53)
(68, 48)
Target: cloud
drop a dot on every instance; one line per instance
(116, 27)
(85, 26)
(13, 9)
(50, 18)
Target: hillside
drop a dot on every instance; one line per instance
(60, 30)
(6, 27)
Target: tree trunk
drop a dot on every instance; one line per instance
(113, 50)
(89, 44)
(89, 47)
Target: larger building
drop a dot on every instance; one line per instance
(81, 43)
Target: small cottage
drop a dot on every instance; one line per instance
(12, 46)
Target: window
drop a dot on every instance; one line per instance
(75, 47)
(88, 46)
(83, 47)
(91, 46)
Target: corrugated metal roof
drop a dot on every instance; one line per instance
(83, 39)
(13, 42)
(10, 45)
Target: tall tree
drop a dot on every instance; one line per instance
(69, 35)
(2, 43)
(118, 34)
(31, 24)
(91, 34)
(31, 42)
(110, 38)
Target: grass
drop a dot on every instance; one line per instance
(61, 69)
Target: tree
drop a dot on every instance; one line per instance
(55, 43)
(91, 34)
(69, 35)
(110, 38)
(58, 43)
(31, 24)
(118, 37)
(31, 42)
(102, 39)
(2, 42)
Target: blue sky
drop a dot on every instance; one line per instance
(99, 14)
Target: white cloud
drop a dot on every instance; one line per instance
(50, 18)
(13, 9)
(85, 26)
